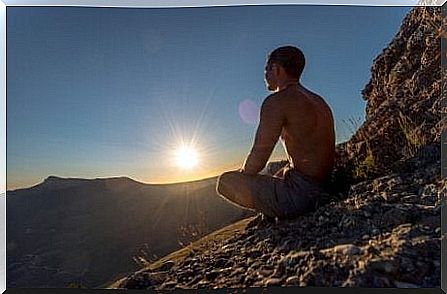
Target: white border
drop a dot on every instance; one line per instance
(208, 3)
(3, 146)
(134, 4)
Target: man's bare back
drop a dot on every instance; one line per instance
(308, 132)
(304, 123)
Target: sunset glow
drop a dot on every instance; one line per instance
(186, 157)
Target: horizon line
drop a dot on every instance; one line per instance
(109, 178)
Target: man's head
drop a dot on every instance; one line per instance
(283, 64)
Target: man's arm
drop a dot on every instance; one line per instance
(267, 134)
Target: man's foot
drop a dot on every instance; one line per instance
(261, 220)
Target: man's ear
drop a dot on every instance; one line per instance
(275, 67)
(280, 70)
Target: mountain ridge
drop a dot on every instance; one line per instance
(55, 181)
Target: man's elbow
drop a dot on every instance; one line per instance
(252, 169)
(249, 172)
(256, 160)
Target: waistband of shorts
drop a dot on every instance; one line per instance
(307, 178)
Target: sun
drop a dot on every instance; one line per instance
(186, 157)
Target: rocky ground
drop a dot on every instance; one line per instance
(385, 234)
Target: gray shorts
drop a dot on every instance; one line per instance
(285, 197)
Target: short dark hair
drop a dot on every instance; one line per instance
(290, 58)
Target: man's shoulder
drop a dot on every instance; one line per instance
(274, 97)
(271, 103)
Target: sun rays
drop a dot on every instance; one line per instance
(186, 157)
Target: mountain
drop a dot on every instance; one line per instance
(81, 232)
(382, 225)
(404, 105)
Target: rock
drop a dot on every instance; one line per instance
(293, 280)
(273, 282)
(213, 274)
(229, 264)
(227, 247)
(255, 254)
(137, 281)
(156, 278)
(382, 266)
(381, 282)
(405, 285)
(166, 266)
(247, 280)
(286, 247)
(203, 284)
(238, 271)
(193, 280)
(220, 263)
(254, 266)
(168, 285)
(292, 259)
(188, 261)
(410, 199)
(347, 249)
(266, 272)
(279, 270)
(407, 265)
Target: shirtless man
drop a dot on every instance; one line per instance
(304, 122)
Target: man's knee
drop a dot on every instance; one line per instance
(223, 183)
(234, 187)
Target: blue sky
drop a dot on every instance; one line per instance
(102, 92)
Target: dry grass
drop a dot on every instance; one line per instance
(190, 232)
(413, 135)
(362, 167)
(145, 258)
(197, 246)
(352, 124)
(366, 166)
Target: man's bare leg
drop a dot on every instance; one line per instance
(236, 187)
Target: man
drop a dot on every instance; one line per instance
(304, 122)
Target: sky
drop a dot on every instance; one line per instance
(106, 92)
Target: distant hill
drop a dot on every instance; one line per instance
(71, 232)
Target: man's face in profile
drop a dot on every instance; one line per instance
(268, 76)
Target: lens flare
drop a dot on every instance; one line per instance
(248, 111)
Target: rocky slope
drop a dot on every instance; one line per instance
(384, 232)
(404, 105)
